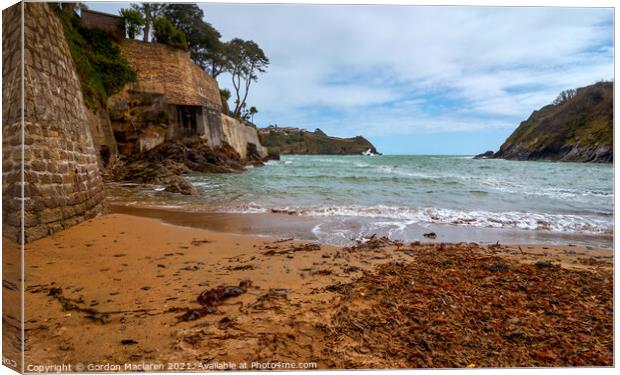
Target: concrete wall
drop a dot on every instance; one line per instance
(239, 135)
(62, 184)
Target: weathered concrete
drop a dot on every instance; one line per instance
(62, 184)
(239, 136)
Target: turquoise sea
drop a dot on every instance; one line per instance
(349, 197)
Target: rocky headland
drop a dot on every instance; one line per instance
(298, 141)
(576, 127)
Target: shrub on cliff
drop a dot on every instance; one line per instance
(166, 33)
(133, 22)
(577, 127)
(100, 66)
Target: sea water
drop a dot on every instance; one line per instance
(349, 197)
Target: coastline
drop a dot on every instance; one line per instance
(282, 224)
(128, 279)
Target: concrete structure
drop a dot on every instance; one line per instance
(171, 88)
(104, 21)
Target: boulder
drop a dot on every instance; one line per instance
(178, 184)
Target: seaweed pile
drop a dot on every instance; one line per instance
(460, 307)
(210, 298)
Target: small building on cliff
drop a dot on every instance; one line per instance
(104, 21)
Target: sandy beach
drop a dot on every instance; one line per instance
(122, 290)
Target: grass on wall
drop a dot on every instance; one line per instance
(101, 68)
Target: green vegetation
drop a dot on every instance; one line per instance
(100, 66)
(225, 96)
(202, 38)
(149, 12)
(165, 32)
(183, 26)
(578, 126)
(245, 60)
(299, 141)
(133, 21)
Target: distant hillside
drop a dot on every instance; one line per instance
(578, 127)
(300, 141)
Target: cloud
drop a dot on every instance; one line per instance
(411, 69)
(489, 66)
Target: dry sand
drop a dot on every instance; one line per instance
(110, 291)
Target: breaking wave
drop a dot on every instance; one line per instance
(482, 219)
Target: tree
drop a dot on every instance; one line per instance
(150, 12)
(225, 96)
(565, 96)
(133, 21)
(252, 112)
(203, 40)
(207, 51)
(185, 17)
(165, 32)
(246, 59)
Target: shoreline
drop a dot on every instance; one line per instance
(129, 280)
(305, 228)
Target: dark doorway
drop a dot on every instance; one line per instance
(188, 119)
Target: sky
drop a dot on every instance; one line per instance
(414, 79)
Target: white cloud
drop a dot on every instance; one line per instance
(408, 69)
(348, 59)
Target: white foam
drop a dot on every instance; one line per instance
(403, 216)
(250, 208)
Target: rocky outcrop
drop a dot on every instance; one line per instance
(62, 184)
(578, 128)
(139, 120)
(301, 141)
(165, 164)
(152, 110)
(169, 122)
(485, 155)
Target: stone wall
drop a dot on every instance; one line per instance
(11, 123)
(11, 190)
(62, 184)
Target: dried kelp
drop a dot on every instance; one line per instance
(463, 308)
(372, 243)
(210, 298)
(274, 250)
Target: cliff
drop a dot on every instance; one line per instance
(169, 122)
(62, 185)
(577, 129)
(301, 141)
(173, 99)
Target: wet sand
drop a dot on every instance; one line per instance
(111, 291)
(301, 227)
